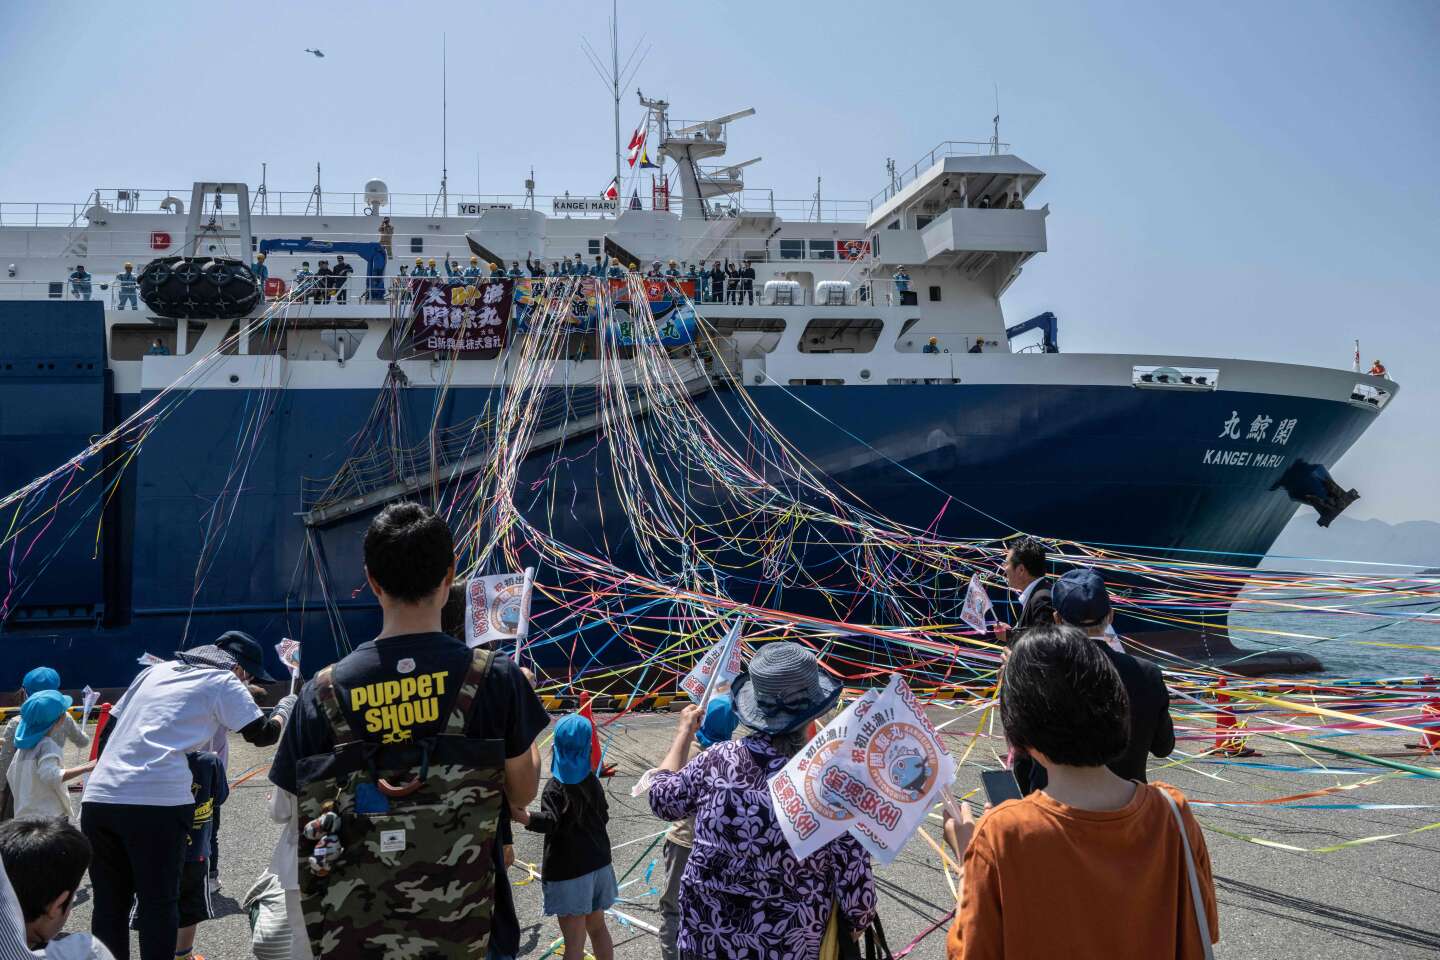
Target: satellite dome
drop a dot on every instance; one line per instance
(377, 194)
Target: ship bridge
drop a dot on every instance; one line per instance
(957, 209)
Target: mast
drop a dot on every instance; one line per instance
(444, 128)
(615, 81)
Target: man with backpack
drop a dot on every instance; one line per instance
(401, 757)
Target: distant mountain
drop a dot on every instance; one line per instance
(1414, 542)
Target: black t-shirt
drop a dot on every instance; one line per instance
(573, 817)
(402, 688)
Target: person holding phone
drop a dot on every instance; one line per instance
(1092, 865)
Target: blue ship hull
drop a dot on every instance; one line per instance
(1104, 465)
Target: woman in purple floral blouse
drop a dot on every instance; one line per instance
(744, 895)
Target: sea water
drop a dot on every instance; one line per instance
(1374, 641)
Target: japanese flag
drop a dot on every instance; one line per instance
(148, 660)
(977, 605)
(717, 669)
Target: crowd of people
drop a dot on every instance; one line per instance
(401, 770)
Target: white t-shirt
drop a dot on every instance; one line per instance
(170, 710)
(35, 779)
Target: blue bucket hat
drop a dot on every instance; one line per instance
(38, 715)
(1081, 599)
(41, 678)
(570, 755)
(720, 721)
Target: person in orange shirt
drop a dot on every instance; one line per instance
(1091, 865)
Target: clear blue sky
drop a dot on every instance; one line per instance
(1246, 179)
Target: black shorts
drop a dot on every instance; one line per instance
(195, 893)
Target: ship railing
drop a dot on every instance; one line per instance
(429, 205)
(946, 148)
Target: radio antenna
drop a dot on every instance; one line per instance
(444, 200)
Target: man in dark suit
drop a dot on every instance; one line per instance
(1024, 570)
(1081, 600)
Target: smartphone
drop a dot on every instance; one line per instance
(1000, 785)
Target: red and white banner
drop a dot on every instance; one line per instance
(810, 816)
(895, 770)
(852, 249)
(717, 669)
(875, 771)
(289, 651)
(977, 605)
(497, 607)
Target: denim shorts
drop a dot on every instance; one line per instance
(583, 895)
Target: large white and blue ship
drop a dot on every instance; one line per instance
(243, 507)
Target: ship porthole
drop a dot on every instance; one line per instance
(234, 378)
(759, 378)
(864, 374)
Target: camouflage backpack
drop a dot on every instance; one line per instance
(415, 877)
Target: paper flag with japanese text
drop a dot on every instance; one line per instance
(718, 669)
(497, 607)
(809, 815)
(87, 703)
(891, 772)
(977, 605)
(289, 651)
(148, 659)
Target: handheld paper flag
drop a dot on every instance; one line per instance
(289, 651)
(977, 605)
(148, 660)
(88, 700)
(497, 607)
(717, 670)
(809, 813)
(893, 773)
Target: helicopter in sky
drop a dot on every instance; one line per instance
(317, 53)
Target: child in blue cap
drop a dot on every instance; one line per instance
(37, 775)
(577, 879)
(717, 727)
(41, 678)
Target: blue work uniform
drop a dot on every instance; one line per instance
(129, 285)
(902, 281)
(80, 284)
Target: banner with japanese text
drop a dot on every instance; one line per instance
(718, 668)
(891, 772)
(810, 814)
(496, 607)
(977, 605)
(461, 318)
(671, 303)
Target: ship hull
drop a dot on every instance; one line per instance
(217, 488)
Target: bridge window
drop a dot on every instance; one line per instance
(834, 335)
(822, 249)
(792, 249)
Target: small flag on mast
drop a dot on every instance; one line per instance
(637, 144)
(645, 160)
(612, 192)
